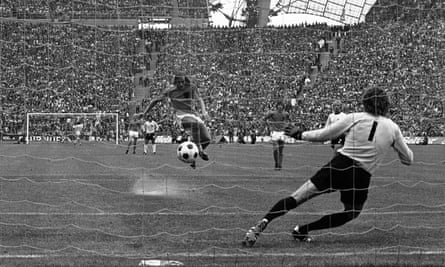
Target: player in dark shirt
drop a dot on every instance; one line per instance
(277, 121)
(183, 96)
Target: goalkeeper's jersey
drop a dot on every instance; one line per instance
(367, 140)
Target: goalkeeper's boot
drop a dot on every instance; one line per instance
(301, 236)
(203, 155)
(254, 232)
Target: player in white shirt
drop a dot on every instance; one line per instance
(78, 126)
(150, 128)
(370, 135)
(336, 115)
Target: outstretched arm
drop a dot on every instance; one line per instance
(164, 94)
(331, 131)
(152, 104)
(404, 152)
(202, 104)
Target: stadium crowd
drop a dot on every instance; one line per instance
(241, 73)
(102, 9)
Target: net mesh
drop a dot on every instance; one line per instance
(59, 201)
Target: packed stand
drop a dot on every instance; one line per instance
(85, 9)
(241, 73)
(193, 8)
(69, 68)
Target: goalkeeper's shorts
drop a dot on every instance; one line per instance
(345, 175)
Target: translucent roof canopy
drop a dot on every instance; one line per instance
(343, 11)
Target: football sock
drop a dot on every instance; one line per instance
(329, 221)
(154, 148)
(281, 208)
(275, 157)
(145, 148)
(280, 153)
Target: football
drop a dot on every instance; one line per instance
(187, 152)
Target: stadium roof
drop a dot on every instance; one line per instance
(342, 11)
(290, 12)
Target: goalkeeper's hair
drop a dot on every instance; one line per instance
(376, 101)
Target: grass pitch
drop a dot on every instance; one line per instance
(92, 205)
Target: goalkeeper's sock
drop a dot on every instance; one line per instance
(281, 208)
(329, 221)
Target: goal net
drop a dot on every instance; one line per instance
(101, 206)
(61, 127)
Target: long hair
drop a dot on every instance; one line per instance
(376, 101)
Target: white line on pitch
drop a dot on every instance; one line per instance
(247, 255)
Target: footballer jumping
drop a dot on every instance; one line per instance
(183, 96)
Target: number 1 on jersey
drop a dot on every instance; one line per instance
(372, 132)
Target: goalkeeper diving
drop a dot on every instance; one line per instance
(369, 136)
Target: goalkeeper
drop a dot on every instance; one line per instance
(370, 135)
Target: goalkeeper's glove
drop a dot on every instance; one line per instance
(294, 131)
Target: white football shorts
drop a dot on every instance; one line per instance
(133, 134)
(277, 135)
(188, 115)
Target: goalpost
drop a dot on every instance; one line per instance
(54, 127)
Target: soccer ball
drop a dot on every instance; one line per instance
(187, 152)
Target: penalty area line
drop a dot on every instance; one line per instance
(333, 254)
(25, 256)
(247, 255)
